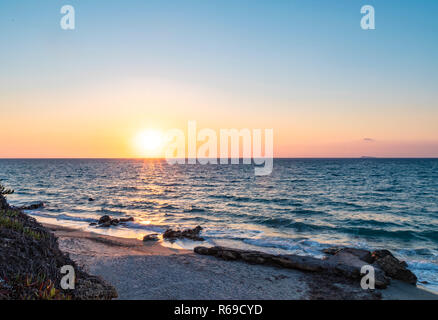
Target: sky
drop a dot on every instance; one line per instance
(306, 69)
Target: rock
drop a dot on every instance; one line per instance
(106, 224)
(301, 263)
(192, 234)
(384, 262)
(151, 237)
(250, 257)
(362, 254)
(229, 255)
(93, 224)
(202, 250)
(33, 206)
(348, 264)
(345, 262)
(377, 254)
(331, 251)
(90, 199)
(104, 219)
(256, 257)
(393, 267)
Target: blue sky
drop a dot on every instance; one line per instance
(273, 59)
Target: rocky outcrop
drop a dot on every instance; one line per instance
(393, 267)
(106, 221)
(150, 237)
(362, 254)
(349, 262)
(33, 206)
(192, 234)
(256, 257)
(382, 260)
(346, 262)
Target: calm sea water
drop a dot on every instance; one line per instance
(304, 206)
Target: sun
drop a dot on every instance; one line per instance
(149, 142)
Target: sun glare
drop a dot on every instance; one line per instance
(149, 142)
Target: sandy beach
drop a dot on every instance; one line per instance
(141, 270)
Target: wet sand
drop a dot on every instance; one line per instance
(141, 270)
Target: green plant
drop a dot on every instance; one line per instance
(9, 213)
(12, 223)
(28, 287)
(33, 234)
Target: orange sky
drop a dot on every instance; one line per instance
(103, 121)
(325, 86)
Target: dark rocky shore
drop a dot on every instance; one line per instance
(339, 262)
(31, 261)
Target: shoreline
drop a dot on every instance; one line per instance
(141, 270)
(113, 241)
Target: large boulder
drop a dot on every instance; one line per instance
(192, 234)
(348, 263)
(33, 206)
(151, 237)
(104, 219)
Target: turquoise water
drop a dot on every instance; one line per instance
(304, 206)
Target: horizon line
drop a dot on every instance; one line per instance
(163, 158)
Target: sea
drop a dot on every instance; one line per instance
(304, 206)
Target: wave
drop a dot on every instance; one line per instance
(389, 189)
(426, 272)
(195, 209)
(281, 201)
(63, 216)
(299, 226)
(307, 212)
(167, 206)
(311, 248)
